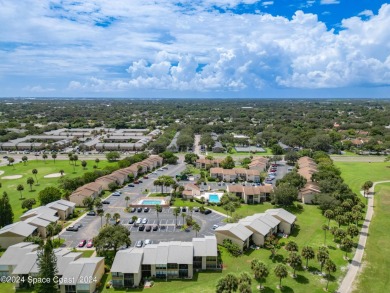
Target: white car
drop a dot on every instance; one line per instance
(148, 241)
(215, 226)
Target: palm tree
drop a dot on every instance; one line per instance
(84, 164)
(72, 159)
(330, 267)
(158, 210)
(116, 217)
(54, 157)
(260, 271)
(156, 183)
(183, 215)
(292, 246)
(100, 213)
(50, 230)
(281, 273)
(325, 228)
(127, 198)
(108, 217)
(35, 172)
(347, 244)
(70, 156)
(30, 181)
(75, 159)
(353, 231)
(322, 256)
(366, 187)
(294, 260)
(191, 209)
(176, 212)
(20, 188)
(62, 172)
(44, 156)
(308, 253)
(11, 162)
(329, 214)
(196, 228)
(227, 284)
(24, 159)
(97, 161)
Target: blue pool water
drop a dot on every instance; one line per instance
(213, 198)
(151, 202)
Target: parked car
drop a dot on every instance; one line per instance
(140, 181)
(105, 202)
(78, 225)
(207, 211)
(132, 210)
(139, 243)
(215, 226)
(72, 228)
(91, 213)
(183, 209)
(155, 228)
(130, 185)
(146, 177)
(136, 182)
(144, 221)
(148, 241)
(141, 227)
(139, 210)
(131, 221)
(116, 194)
(148, 228)
(196, 209)
(82, 243)
(90, 243)
(165, 168)
(146, 209)
(139, 220)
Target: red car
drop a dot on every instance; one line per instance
(146, 177)
(90, 243)
(82, 243)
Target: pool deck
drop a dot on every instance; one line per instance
(164, 202)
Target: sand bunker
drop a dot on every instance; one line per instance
(53, 175)
(12, 177)
(1, 172)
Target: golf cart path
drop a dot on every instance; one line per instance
(347, 285)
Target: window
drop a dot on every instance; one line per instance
(172, 266)
(211, 258)
(161, 266)
(70, 288)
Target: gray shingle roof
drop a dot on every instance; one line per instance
(39, 210)
(19, 228)
(15, 253)
(206, 246)
(82, 268)
(237, 230)
(282, 214)
(128, 261)
(255, 225)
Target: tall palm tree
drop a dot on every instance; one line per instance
(24, 159)
(11, 162)
(62, 172)
(116, 217)
(196, 228)
(100, 213)
(176, 212)
(183, 215)
(54, 157)
(97, 161)
(30, 181)
(50, 230)
(281, 273)
(108, 217)
(44, 156)
(329, 214)
(75, 159)
(158, 210)
(330, 267)
(35, 172)
(260, 271)
(308, 253)
(127, 198)
(294, 260)
(156, 183)
(322, 256)
(325, 228)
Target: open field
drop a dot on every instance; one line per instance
(375, 277)
(356, 173)
(44, 168)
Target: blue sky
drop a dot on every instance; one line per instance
(198, 48)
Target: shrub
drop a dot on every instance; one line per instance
(233, 248)
(300, 206)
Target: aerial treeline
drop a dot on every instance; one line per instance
(160, 144)
(185, 139)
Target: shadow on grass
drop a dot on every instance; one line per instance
(295, 231)
(286, 289)
(267, 290)
(302, 279)
(276, 258)
(331, 247)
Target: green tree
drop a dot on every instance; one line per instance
(353, 231)
(227, 284)
(54, 157)
(190, 158)
(244, 287)
(277, 149)
(112, 237)
(47, 269)
(89, 202)
(84, 164)
(347, 245)
(116, 217)
(62, 172)
(44, 156)
(196, 228)
(24, 159)
(97, 161)
(158, 210)
(35, 172)
(329, 214)
(292, 246)
(176, 212)
(127, 198)
(100, 213)
(294, 260)
(20, 188)
(325, 228)
(113, 156)
(30, 181)
(308, 253)
(228, 163)
(366, 187)
(48, 195)
(281, 273)
(108, 217)
(330, 267)
(322, 256)
(284, 194)
(11, 162)
(260, 271)
(6, 213)
(28, 203)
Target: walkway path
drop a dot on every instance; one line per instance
(347, 285)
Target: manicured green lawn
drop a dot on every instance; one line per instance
(86, 253)
(375, 275)
(356, 173)
(9, 185)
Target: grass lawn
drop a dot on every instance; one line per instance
(356, 173)
(44, 168)
(158, 194)
(375, 275)
(243, 154)
(308, 232)
(86, 253)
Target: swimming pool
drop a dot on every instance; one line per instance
(213, 198)
(151, 202)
